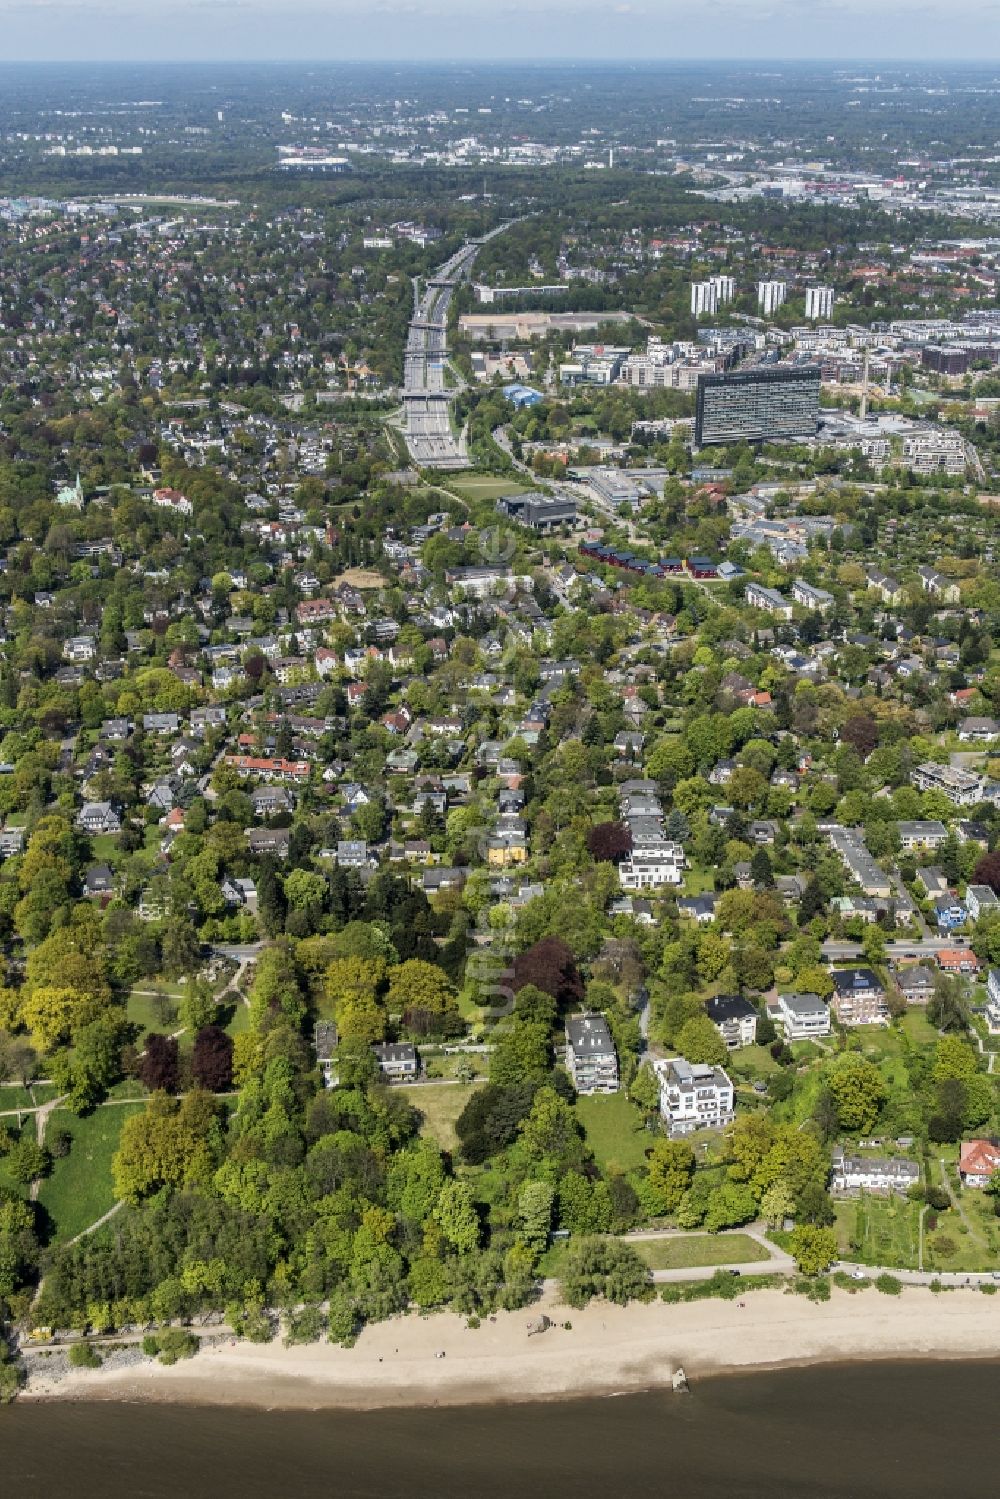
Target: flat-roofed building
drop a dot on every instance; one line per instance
(757, 405)
(591, 1058)
(693, 1095)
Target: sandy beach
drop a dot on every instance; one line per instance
(606, 1350)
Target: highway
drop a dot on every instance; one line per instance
(426, 397)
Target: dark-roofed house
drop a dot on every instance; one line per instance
(591, 1058)
(855, 1173)
(858, 997)
(735, 1018)
(397, 1060)
(915, 984)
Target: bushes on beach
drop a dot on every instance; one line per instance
(723, 1285)
(11, 1374)
(84, 1356)
(305, 1326)
(251, 1321)
(889, 1285)
(604, 1267)
(171, 1344)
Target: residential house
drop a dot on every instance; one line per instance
(325, 1041)
(978, 1161)
(978, 730)
(735, 1018)
(99, 881)
(693, 1096)
(11, 842)
(980, 900)
(239, 892)
(957, 960)
(885, 1175)
(922, 834)
(352, 853)
(949, 912)
(98, 817)
(858, 998)
(591, 1058)
(161, 723)
(274, 841)
(652, 866)
(800, 1016)
(397, 1061)
(993, 1001)
(699, 908)
(915, 984)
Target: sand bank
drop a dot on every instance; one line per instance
(606, 1350)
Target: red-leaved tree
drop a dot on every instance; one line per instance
(609, 842)
(212, 1062)
(987, 871)
(550, 965)
(158, 1066)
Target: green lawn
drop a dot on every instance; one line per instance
(918, 1027)
(686, 1251)
(13, 1096)
(440, 1106)
(147, 1012)
(79, 1190)
(105, 848)
(485, 487)
(614, 1129)
(234, 1018)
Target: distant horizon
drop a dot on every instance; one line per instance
(754, 63)
(500, 32)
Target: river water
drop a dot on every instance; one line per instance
(837, 1432)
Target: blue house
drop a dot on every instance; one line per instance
(949, 912)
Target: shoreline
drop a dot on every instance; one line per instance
(607, 1351)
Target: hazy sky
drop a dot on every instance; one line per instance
(494, 29)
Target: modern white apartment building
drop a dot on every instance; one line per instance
(652, 865)
(771, 295)
(800, 1016)
(819, 303)
(962, 787)
(693, 1096)
(704, 298)
(725, 288)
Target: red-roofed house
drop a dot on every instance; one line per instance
(957, 960)
(977, 1162)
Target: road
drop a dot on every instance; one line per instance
(912, 947)
(953, 1278)
(427, 397)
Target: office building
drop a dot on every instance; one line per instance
(758, 405)
(771, 295)
(819, 303)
